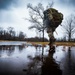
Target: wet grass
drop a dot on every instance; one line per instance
(56, 43)
(42, 43)
(65, 43)
(46, 43)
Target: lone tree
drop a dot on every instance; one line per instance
(69, 27)
(52, 19)
(37, 16)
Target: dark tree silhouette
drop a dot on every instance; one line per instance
(10, 34)
(21, 35)
(1, 32)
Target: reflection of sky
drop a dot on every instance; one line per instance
(66, 59)
(17, 59)
(12, 43)
(13, 12)
(59, 55)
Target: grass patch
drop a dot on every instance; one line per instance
(46, 43)
(42, 43)
(65, 43)
(56, 43)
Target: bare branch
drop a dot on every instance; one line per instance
(38, 10)
(50, 5)
(69, 27)
(36, 16)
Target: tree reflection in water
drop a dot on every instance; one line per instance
(49, 66)
(8, 49)
(21, 47)
(43, 65)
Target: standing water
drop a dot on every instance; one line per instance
(19, 58)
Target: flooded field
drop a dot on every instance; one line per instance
(19, 58)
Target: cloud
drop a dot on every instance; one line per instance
(6, 4)
(72, 2)
(67, 2)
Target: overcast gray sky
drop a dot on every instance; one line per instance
(13, 12)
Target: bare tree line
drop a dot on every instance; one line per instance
(10, 34)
